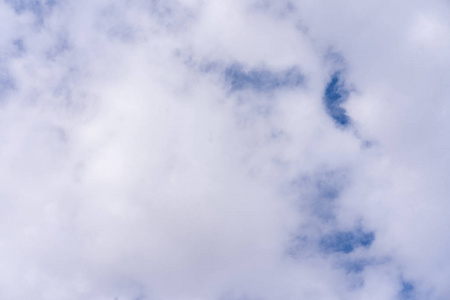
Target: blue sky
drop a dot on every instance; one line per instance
(229, 150)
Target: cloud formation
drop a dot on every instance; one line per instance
(228, 150)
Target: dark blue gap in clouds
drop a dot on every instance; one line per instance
(335, 95)
(261, 79)
(346, 241)
(407, 291)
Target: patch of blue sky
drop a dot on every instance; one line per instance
(38, 7)
(336, 93)
(261, 79)
(346, 241)
(407, 291)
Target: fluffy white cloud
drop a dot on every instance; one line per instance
(224, 150)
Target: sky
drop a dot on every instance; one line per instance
(224, 150)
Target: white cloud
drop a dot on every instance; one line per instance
(132, 169)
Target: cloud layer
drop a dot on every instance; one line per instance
(229, 150)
